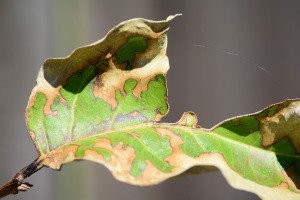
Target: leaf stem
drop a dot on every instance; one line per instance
(16, 184)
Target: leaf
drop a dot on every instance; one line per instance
(103, 104)
(270, 153)
(114, 83)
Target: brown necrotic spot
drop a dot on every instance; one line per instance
(285, 123)
(114, 79)
(251, 130)
(238, 123)
(134, 113)
(58, 157)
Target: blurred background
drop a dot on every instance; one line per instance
(227, 58)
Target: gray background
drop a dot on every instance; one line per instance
(214, 84)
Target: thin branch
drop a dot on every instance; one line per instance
(16, 184)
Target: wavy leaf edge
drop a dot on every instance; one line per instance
(147, 152)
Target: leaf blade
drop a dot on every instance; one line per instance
(103, 101)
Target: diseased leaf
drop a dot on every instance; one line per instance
(270, 156)
(114, 83)
(103, 103)
(126, 53)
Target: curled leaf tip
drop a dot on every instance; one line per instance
(171, 17)
(188, 119)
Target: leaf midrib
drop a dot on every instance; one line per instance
(75, 100)
(166, 125)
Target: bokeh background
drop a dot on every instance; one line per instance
(207, 80)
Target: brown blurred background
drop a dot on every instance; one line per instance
(214, 84)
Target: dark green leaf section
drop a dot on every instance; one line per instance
(78, 81)
(84, 115)
(270, 111)
(127, 52)
(258, 165)
(243, 129)
(286, 154)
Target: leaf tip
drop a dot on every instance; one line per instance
(171, 17)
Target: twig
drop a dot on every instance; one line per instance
(16, 184)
